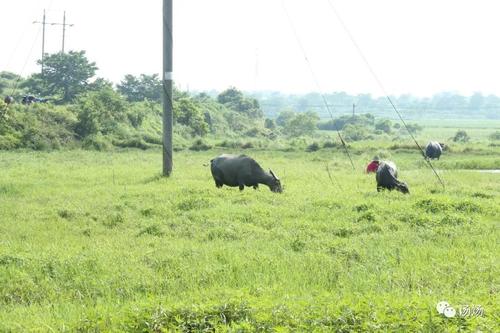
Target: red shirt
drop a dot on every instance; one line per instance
(372, 167)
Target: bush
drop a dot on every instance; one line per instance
(355, 132)
(247, 145)
(330, 144)
(39, 127)
(153, 139)
(312, 147)
(461, 136)
(495, 136)
(230, 144)
(99, 112)
(301, 124)
(414, 128)
(200, 145)
(9, 141)
(340, 123)
(133, 142)
(96, 142)
(254, 132)
(384, 126)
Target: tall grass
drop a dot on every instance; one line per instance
(95, 241)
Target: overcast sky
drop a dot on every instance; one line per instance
(414, 46)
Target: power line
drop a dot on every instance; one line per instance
(361, 54)
(44, 23)
(315, 79)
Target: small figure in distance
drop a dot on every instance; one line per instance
(373, 165)
(387, 177)
(241, 171)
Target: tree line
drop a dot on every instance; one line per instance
(442, 105)
(89, 111)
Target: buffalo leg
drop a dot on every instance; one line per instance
(241, 187)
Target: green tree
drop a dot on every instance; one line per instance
(284, 117)
(65, 76)
(384, 125)
(234, 99)
(137, 89)
(99, 84)
(355, 132)
(413, 128)
(302, 124)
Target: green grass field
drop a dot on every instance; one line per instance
(99, 242)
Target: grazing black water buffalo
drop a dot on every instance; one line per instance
(433, 150)
(241, 171)
(387, 177)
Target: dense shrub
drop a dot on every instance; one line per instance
(200, 145)
(495, 136)
(384, 126)
(38, 126)
(355, 132)
(313, 147)
(99, 112)
(247, 145)
(330, 144)
(461, 136)
(96, 142)
(341, 122)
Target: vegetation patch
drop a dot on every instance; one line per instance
(114, 220)
(193, 203)
(433, 205)
(467, 207)
(66, 214)
(152, 230)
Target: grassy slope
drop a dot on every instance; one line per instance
(97, 241)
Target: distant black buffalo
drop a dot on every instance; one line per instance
(241, 171)
(29, 99)
(8, 99)
(433, 150)
(387, 177)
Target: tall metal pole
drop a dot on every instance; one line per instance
(64, 30)
(43, 39)
(167, 87)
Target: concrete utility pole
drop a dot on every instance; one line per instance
(353, 109)
(167, 87)
(43, 36)
(64, 29)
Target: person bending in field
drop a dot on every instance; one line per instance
(373, 165)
